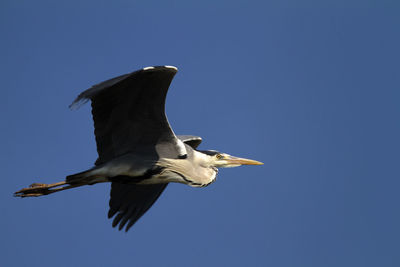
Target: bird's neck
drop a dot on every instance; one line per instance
(194, 171)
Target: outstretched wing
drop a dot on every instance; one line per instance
(129, 114)
(191, 140)
(131, 201)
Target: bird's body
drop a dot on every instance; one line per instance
(138, 151)
(133, 169)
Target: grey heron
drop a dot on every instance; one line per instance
(138, 151)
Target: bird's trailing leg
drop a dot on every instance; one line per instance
(37, 189)
(71, 181)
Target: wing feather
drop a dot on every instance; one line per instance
(130, 201)
(191, 140)
(129, 113)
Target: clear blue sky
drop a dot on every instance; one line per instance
(311, 89)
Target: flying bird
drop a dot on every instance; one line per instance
(138, 151)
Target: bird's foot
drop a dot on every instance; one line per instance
(34, 190)
(38, 189)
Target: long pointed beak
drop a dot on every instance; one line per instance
(242, 161)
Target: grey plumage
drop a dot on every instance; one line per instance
(138, 151)
(131, 201)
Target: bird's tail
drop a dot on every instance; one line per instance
(79, 177)
(71, 181)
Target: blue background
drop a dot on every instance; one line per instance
(311, 88)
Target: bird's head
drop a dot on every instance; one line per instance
(223, 160)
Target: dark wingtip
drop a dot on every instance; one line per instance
(78, 102)
(117, 219)
(111, 213)
(129, 225)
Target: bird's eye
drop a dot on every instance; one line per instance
(219, 156)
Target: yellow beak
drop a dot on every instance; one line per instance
(242, 161)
